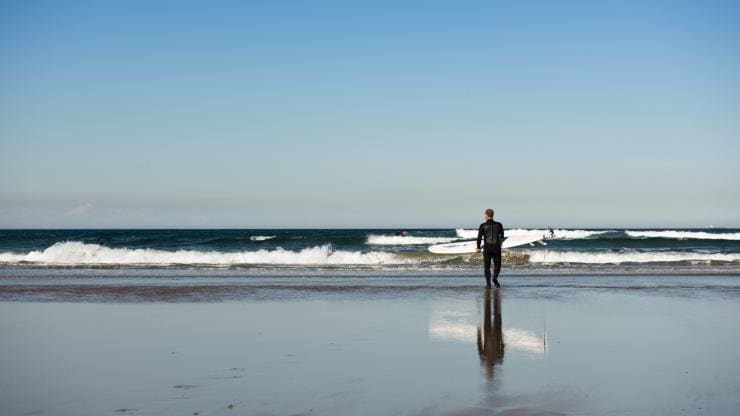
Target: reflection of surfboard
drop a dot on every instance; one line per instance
(465, 247)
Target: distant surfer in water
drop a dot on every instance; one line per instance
(492, 234)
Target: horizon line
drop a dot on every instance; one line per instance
(350, 228)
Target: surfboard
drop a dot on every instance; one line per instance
(466, 247)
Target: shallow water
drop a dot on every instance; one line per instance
(373, 345)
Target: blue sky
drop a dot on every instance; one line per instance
(399, 114)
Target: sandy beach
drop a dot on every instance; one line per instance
(382, 345)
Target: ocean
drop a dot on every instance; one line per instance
(364, 321)
(675, 251)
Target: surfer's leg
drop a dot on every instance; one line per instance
(487, 264)
(496, 264)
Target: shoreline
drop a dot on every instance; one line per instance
(335, 346)
(719, 269)
(209, 288)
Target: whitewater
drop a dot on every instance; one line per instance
(607, 248)
(77, 253)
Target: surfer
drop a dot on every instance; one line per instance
(492, 234)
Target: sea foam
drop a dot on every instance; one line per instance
(400, 240)
(261, 237)
(78, 253)
(550, 256)
(684, 235)
(559, 233)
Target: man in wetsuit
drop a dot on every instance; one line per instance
(492, 234)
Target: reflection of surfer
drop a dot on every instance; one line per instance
(491, 337)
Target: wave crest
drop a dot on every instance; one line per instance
(400, 240)
(549, 256)
(516, 232)
(684, 235)
(78, 253)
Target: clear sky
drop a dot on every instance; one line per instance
(377, 113)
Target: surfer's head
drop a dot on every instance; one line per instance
(489, 213)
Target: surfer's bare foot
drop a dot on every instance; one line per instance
(495, 282)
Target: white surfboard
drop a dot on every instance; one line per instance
(466, 247)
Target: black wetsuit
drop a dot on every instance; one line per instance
(492, 234)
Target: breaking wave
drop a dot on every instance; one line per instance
(261, 237)
(549, 256)
(559, 233)
(78, 253)
(684, 235)
(399, 240)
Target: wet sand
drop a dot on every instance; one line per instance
(549, 346)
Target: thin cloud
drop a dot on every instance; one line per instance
(81, 209)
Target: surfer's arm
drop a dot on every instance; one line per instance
(480, 236)
(501, 231)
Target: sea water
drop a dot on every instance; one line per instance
(590, 250)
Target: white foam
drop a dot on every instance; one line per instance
(261, 237)
(549, 256)
(401, 240)
(78, 253)
(683, 235)
(516, 232)
(463, 233)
